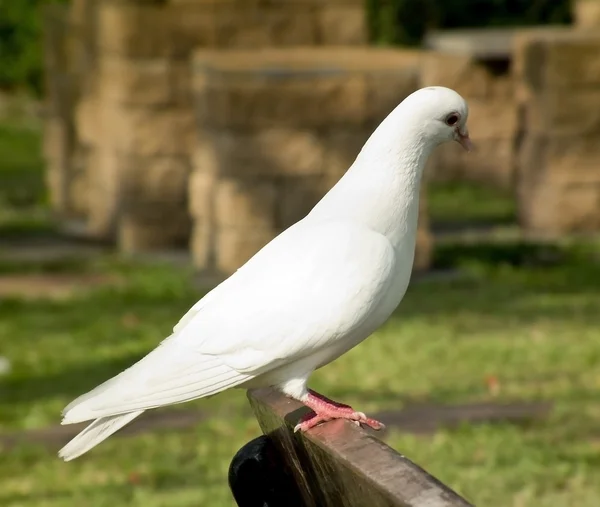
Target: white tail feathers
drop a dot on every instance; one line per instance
(95, 433)
(166, 376)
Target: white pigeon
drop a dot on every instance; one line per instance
(317, 290)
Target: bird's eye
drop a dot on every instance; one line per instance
(452, 119)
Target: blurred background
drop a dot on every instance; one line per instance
(149, 148)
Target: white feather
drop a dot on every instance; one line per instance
(168, 375)
(95, 433)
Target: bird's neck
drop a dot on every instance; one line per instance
(381, 189)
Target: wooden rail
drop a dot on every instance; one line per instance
(335, 464)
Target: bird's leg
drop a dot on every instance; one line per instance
(324, 409)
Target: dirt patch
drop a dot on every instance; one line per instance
(417, 420)
(34, 286)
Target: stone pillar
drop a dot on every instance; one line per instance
(559, 157)
(277, 129)
(59, 138)
(144, 126)
(139, 124)
(586, 13)
(130, 115)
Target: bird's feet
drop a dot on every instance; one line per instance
(324, 409)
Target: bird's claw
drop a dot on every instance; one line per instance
(357, 418)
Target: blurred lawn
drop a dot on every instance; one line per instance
(22, 186)
(527, 315)
(457, 204)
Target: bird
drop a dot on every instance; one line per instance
(318, 289)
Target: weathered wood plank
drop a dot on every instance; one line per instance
(340, 464)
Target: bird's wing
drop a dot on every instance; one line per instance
(301, 293)
(306, 289)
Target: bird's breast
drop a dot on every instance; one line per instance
(379, 315)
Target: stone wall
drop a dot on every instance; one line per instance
(586, 13)
(488, 87)
(121, 152)
(59, 139)
(276, 130)
(559, 157)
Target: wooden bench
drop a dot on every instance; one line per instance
(335, 464)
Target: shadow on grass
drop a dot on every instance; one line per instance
(524, 254)
(70, 382)
(442, 395)
(456, 205)
(525, 281)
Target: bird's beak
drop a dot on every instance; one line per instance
(463, 139)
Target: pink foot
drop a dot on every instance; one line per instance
(325, 410)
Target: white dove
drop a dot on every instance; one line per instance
(314, 292)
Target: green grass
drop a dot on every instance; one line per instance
(21, 167)
(22, 188)
(470, 203)
(535, 329)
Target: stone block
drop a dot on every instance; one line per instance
(267, 152)
(245, 204)
(387, 88)
(559, 184)
(564, 113)
(191, 27)
(492, 119)
(297, 198)
(343, 24)
(154, 30)
(153, 131)
(151, 230)
(201, 195)
(204, 154)
(202, 245)
(234, 246)
(88, 120)
(301, 87)
(586, 13)
(559, 160)
(56, 141)
(503, 87)
(291, 99)
(553, 210)
(157, 181)
(257, 26)
(103, 199)
(57, 149)
(557, 59)
(573, 59)
(129, 30)
(79, 185)
(464, 74)
(148, 82)
(277, 129)
(342, 148)
(82, 49)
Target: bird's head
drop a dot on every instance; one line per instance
(441, 113)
